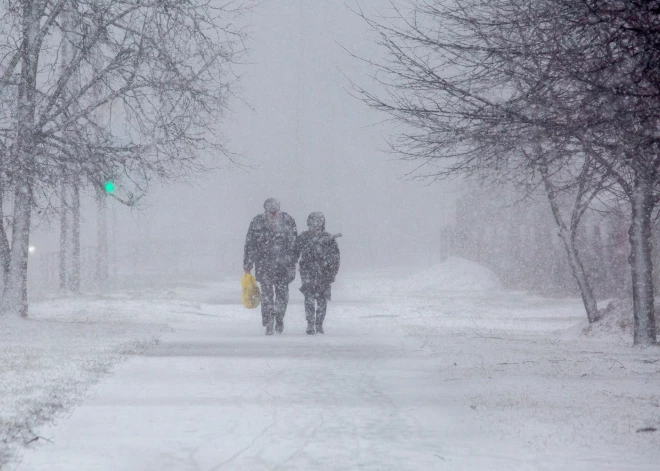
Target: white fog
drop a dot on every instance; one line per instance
(299, 136)
(470, 282)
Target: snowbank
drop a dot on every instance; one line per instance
(443, 342)
(48, 361)
(453, 275)
(616, 323)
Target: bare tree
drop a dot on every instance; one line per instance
(616, 72)
(529, 91)
(598, 61)
(472, 112)
(163, 68)
(580, 197)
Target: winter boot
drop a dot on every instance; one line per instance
(310, 328)
(279, 325)
(269, 326)
(319, 329)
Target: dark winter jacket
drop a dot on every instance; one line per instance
(270, 247)
(319, 262)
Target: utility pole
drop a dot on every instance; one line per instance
(75, 236)
(101, 237)
(64, 233)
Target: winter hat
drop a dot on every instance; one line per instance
(271, 205)
(316, 221)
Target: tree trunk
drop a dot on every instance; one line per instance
(114, 248)
(641, 262)
(65, 277)
(5, 255)
(577, 269)
(15, 298)
(75, 239)
(598, 259)
(64, 235)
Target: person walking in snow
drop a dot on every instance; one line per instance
(270, 248)
(319, 263)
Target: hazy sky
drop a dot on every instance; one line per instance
(310, 144)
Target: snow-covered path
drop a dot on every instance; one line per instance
(220, 396)
(406, 378)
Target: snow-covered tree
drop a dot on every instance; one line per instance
(555, 94)
(161, 70)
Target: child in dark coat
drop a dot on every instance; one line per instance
(319, 264)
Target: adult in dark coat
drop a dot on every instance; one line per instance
(270, 247)
(319, 264)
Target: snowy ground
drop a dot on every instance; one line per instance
(435, 370)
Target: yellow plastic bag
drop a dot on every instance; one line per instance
(251, 293)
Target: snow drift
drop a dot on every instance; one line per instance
(454, 274)
(616, 323)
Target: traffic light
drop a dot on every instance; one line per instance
(109, 186)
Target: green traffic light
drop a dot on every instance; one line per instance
(109, 186)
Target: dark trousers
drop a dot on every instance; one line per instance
(315, 308)
(274, 300)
